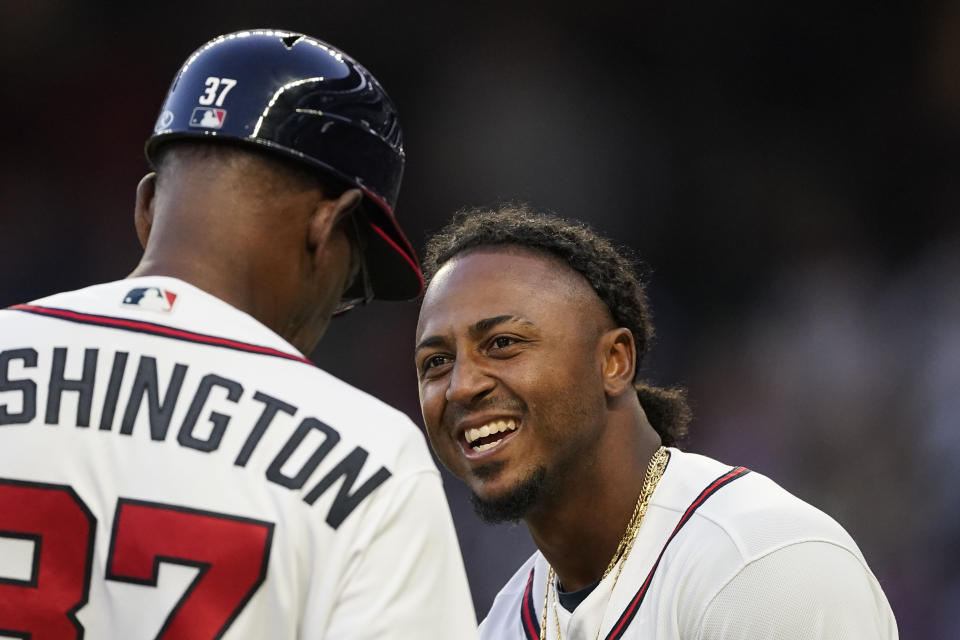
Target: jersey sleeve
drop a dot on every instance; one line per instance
(409, 582)
(807, 591)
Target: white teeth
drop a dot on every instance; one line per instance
(484, 447)
(489, 429)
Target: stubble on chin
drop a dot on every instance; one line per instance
(515, 503)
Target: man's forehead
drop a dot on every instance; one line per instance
(514, 281)
(507, 268)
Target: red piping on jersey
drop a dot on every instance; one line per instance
(528, 613)
(627, 616)
(157, 330)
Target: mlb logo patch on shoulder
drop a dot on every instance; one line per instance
(207, 117)
(150, 298)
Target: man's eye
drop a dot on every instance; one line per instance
(502, 342)
(434, 361)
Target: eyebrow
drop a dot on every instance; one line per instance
(479, 328)
(432, 341)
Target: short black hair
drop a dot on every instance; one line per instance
(296, 174)
(609, 271)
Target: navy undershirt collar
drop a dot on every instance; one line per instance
(570, 600)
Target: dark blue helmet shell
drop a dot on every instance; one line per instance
(294, 95)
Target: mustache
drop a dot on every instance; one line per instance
(457, 411)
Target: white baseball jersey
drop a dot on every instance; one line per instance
(171, 468)
(722, 553)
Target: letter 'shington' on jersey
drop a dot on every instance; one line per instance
(169, 467)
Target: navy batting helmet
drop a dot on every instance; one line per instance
(297, 96)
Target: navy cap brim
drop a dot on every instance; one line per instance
(394, 269)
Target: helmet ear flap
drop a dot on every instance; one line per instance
(289, 94)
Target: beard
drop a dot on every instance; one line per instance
(515, 504)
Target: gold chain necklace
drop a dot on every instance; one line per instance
(654, 471)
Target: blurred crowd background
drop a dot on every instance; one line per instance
(788, 173)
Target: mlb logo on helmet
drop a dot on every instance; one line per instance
(151, 298)
(207, 117)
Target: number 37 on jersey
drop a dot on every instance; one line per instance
(51, 531)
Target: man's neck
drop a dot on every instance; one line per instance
(229, 284)
(579, 530)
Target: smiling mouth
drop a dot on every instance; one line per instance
(488, 436)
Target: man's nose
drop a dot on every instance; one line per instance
(469, 381)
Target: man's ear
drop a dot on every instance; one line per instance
(143, 210)
(618, 356)
(327, 214)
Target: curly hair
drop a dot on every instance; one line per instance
(609, 271)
